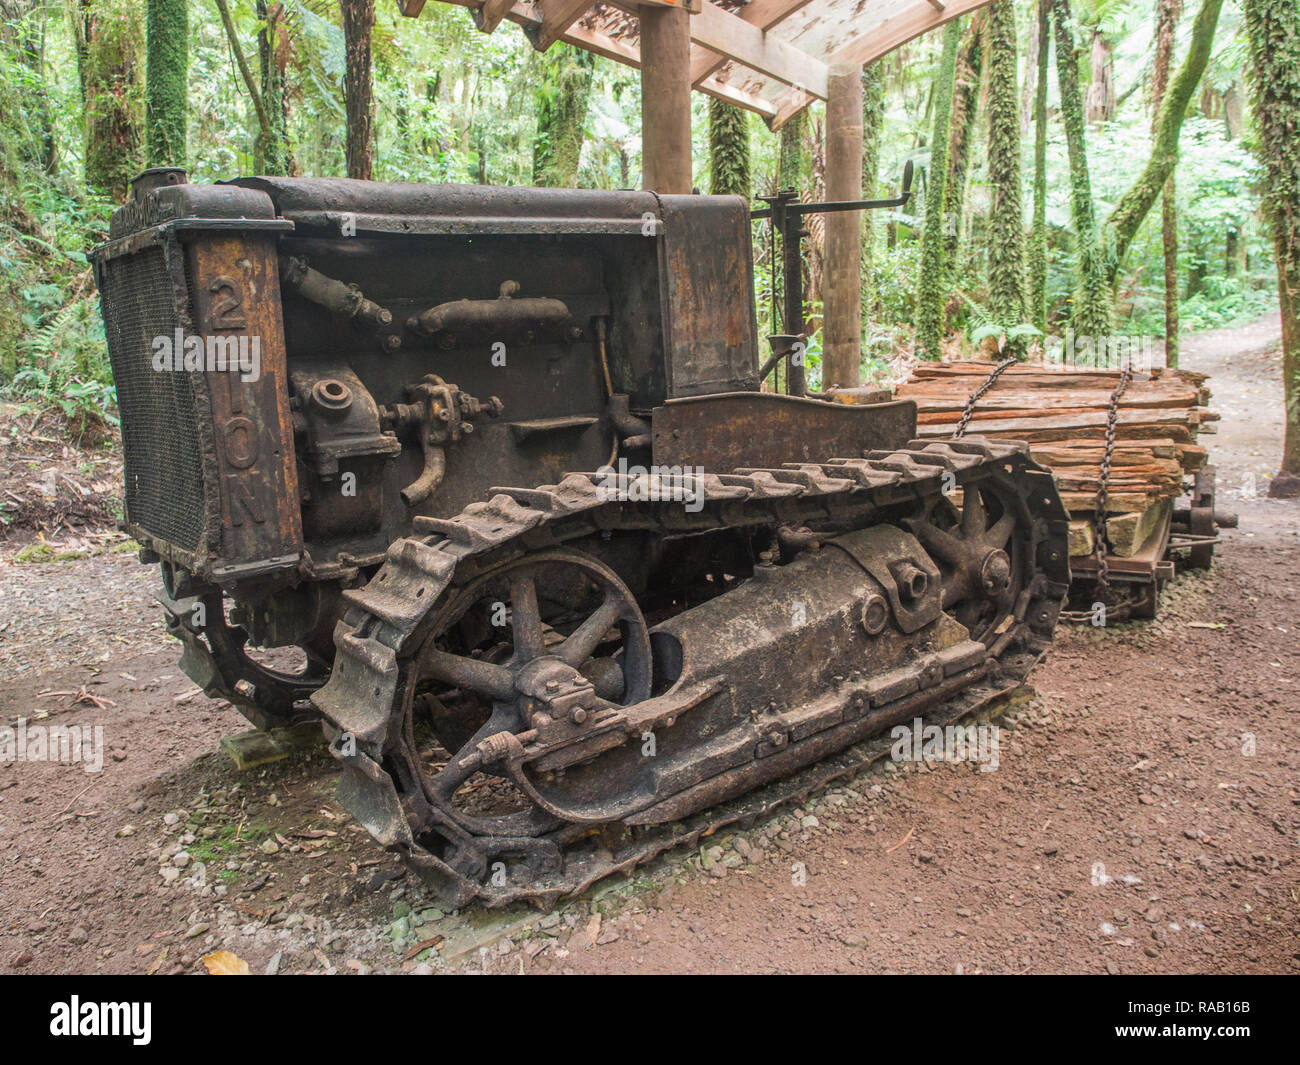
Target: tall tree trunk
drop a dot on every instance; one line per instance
(1273, 27)
(1092, 295)
(728, 150)
(113, 83)
(932, 284)
(791, 158)
(873, 120)
(1101, 89)
(1036, 44)
(358, 87)
(965, 103)
(1038, 227)
(271, 61)
(1234, 117)
(1006, 267)
(561, 99)
(167, 27)
(1167, 13)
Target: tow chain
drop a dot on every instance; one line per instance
(975, 397)
(1099, 529)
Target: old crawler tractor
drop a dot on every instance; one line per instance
(352, 413)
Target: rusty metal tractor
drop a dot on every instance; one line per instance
(355, 417)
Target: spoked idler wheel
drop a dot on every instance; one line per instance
(541, 644)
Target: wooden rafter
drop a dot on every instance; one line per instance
(741, 41)
(761, 13)
(557, 16)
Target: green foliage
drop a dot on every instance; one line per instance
(563, 89)
(931, 283)
(873, 120)
(1037, 255)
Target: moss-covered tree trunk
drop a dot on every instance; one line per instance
(965, 104)
(728, 150)
(358, 87)
(561, 98)
(932, 283)
(112, 73)
(873, 120)
(1006, 254)
(1091, 315)
(790, 157)
(1038, 227)
(167, 31)
(1273, 27)
(1167, 12)
(272, 46)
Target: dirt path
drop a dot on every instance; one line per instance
(1144, 815)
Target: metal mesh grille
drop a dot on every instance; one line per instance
(164, 470)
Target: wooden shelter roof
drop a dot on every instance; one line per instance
(772, 57)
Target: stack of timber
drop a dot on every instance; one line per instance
(1062, 413)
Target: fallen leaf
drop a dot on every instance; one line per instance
(223, 963)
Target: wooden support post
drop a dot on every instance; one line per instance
(665, 99)
(841, 285)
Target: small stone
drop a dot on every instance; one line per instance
(171, 819)
(78, 935)
(196, 930)
(22, 958)
(810, 822)
(269, 846)
(181, 859)
(1050, 849)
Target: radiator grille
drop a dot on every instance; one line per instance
(164, 468)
